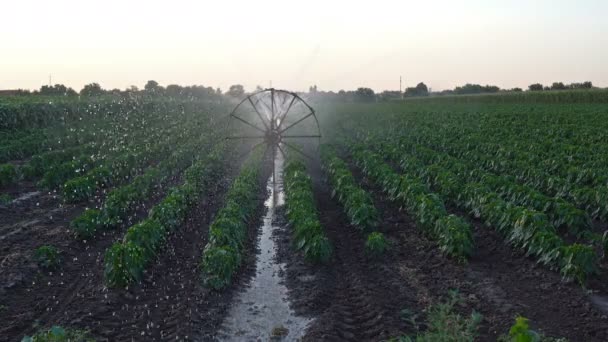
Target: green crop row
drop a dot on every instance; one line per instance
(223, 253)
(126, 260)
(22, 147)
(8, 174)
(309, 235)
(537, 173)
(357, 203)
(123, 201)
(527, 229)
(452, 233)
(561, 213)
(112, 164)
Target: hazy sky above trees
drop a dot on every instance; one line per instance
(333, 44)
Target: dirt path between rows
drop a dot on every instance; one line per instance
(497, 282)
(353, 297)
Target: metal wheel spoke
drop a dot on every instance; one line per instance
(293, 99)
(301, 136)
(293, 147)
(257, 112)
(247, 137)
(248, 123)
(282, 152)
(297, 122)
(272, 108)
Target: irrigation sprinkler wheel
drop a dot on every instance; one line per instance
(276, 118)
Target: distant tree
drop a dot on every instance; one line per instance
(419, 90)
(92, 89)
(516, 90)
(174, 90)
(535, 87)
(558, 86)
(312, 89)
(365, 95)
(236, 90)
(422, 89)
(218, 91)
(258, 88)
(389, 95)
(152, 87)
(57, 90)
(584, 85)
(476, 89)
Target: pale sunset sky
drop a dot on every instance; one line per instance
(333, 44)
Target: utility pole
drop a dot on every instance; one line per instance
(399, 84)
(50, 80)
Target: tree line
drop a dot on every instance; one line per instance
(361, 94)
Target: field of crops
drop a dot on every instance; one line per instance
(135, 219)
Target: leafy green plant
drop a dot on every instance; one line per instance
(79, 189)
(376, 244)
(59, 334)
(228, 231)
(357, 203)
(445, 324)
(309, 236)
(85, 225)
(520, 332)
(8, 174)
(124, 264)
(453, 234)
(125, 261)
(219, 265)
(47, 257)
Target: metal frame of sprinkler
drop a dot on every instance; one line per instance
(274, 133)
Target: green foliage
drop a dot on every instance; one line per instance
(85, 225)
(453, 234)
(496, 200)
(309, 236)
(59, 334)
(8, 174)
(578, 262)
(47, 257)
(228, 231)
(521, 332)
(376, 244)
(219, 265)
(57, 175)
(446, 325)
(126, 261)
(357, 203)
(124, 264)
(79, 189)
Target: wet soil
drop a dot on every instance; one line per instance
(497, 281)
(353, 297)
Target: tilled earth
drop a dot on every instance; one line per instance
(352, 298)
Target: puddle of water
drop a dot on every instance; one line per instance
(261, 312)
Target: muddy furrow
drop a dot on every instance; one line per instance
(497, 282)
(363, 296)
